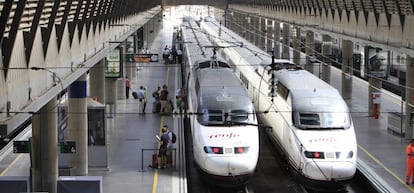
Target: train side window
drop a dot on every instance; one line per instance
(282, 91)
(197, 85)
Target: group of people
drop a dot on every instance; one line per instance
(161, 97)
(172, 55)
(141, 95)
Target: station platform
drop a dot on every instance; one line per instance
(381, 154)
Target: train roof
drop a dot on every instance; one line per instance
(220, 89)
(300, 80)
(308, 92)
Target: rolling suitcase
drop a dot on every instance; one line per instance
(135, 95)
(156, 107)
(154, 160)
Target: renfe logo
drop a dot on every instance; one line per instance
(321, 140)
(228, 136)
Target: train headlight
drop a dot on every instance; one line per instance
(314, 155)
(240, 150)
(213, 150)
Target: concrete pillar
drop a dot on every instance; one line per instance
(375, 85)
(246, 21)
(111, 93)
(78, 125)
(276, 39)
(347, 68)
(44, 149)
(262, 34)
(269, 35)
(286, 42)
(252, 30)
(129, 65)
(229, 19)
(296, 46)
(327, 51)
(236, 22)
(121, 81)
(97, 81)
(310, 50)
(409, 96)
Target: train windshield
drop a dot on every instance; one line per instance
(218, 117)
(326, 120)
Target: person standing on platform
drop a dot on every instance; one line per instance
(179, 56)
(141, 97)
(144, 100)
(174, 54)
(162, 152)
(127, 87)
(170, 145)
(164, 98)
(410, 162)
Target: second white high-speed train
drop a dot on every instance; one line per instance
(223, 125)
(310, 120)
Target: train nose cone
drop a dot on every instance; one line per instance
(230, 165)
(330, 170)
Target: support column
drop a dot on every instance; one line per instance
(111, 93)
(78, 125)
(327, 51)
(375, 85)
(276, 39)
(310, 50)
(229, 19)
(237, 22)
(246, 22)
(296, 46)
(97, 81)
(262, 34)
(269, 35)
(121, 81)
(129, 65)
(409, 96)
(252, 29)
(347, 68)
(44, 149)
(286, 42)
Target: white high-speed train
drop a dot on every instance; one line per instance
(224, 128)
(310, 120)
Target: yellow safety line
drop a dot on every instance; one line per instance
(11, 164)
(386, 169)
(154, 183)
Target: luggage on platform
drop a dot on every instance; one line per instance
(156, 107)
(135, 95)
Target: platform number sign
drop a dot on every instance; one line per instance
(67, 146)
(21, 147)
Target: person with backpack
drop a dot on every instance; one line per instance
(172, 139)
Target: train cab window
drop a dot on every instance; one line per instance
(337, 120)
(327, 120)
(309, 119)
(238, 115)
(211, 117)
